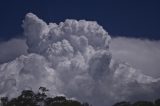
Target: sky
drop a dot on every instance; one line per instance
(129, 18)
(84, 49)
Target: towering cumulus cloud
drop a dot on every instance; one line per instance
(72, 58)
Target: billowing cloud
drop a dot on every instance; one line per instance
(142, 54)
(11, 49)
(73, 58)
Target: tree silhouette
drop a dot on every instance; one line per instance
(143, 103)
(4, 101)
(29, 98)
(122, 104)
(139, 103)
(157, 102)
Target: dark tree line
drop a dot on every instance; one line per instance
(29, 98)
(139, 103)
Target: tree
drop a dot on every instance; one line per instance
(157, 102)
(143, 103)
(85, 104)
(29, 98)
(4, 100)
(122, 104)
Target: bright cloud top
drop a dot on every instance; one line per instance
(73, 58)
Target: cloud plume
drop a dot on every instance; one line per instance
(73, 58)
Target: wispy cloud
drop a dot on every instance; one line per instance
(142, 54)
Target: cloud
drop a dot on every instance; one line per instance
(11, 49)
(73, 58)
(142, 54)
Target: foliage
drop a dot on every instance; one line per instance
(139, 103)
(29, 98)
(122, 104)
